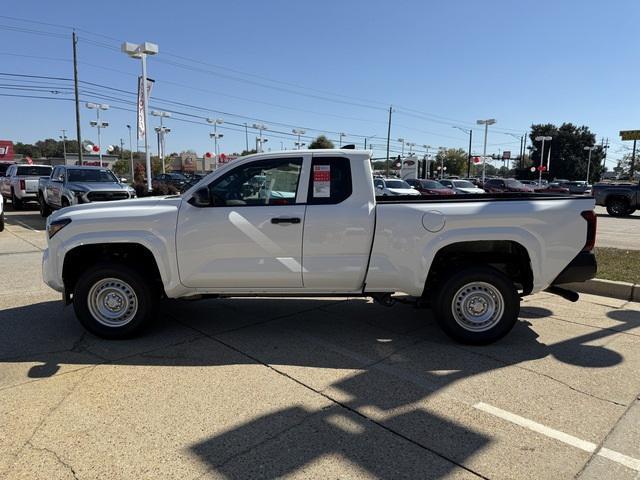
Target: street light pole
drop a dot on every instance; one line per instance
(99, 124)
(298, 132)
(589, 160)
(470, 132)
(141, 51)
(260, 128)
(161, 132)
(401, 140)
(215, 135)
(541, 138)
(64, 145)
(341, 136)
(486, 124)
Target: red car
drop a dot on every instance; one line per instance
(429, 187)
(494, 185)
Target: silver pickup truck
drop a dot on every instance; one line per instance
(20, 183)
(74, 185)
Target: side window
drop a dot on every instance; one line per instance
(379, 184)
(330, 181)
(263, 182)
(56, 173)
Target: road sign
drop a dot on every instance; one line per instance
(630, 134)
(506, 155)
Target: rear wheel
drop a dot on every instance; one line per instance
(478, 305)
(618, 207)
(45, 210)
(113, 301)
(17, 203)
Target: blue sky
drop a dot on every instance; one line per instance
(331, 66)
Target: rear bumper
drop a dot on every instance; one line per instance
(581, 269)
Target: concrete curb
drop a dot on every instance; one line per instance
(607, 288)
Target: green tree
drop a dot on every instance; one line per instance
(568, 158)
(321, 142)
(455, 159)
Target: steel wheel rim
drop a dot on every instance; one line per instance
(477, 306)
(112, 302)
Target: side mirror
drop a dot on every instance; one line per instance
(201, 198)
(123, 180)
(60, 178)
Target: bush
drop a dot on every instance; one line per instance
(158, 189)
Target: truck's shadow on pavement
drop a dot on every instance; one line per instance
(396, 357)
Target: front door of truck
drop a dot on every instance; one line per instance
(247, 234)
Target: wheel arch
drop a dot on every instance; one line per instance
(508, 256)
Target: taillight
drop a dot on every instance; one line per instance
(592, 221)
(23, 185)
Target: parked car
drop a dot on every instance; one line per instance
(73, 185)
(1, 213)
(461, 186)
(178, 180)
(471, 261)
(496, 185)
(579, 187)
(620, 199)
(429, 187)
(192, 180)
(393, 186)
(555, 187)
(20, 184)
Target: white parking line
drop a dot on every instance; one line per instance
(629, 462)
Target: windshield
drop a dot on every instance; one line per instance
(177, 176)
(513, 184)
(463, 184)
(396, 184)
(91, 176)
(31, 170)
(431, 184)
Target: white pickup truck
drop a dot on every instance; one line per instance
(308, 223)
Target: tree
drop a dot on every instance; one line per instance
(248, 152)
(455, 159)
(321, 142)
(568, 158)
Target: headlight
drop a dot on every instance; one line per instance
(57, 225)
(78, 193)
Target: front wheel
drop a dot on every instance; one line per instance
(113, 301)
(477, 305)
(45, 210)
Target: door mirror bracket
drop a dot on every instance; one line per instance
(201, 198)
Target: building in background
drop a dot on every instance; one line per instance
(6, 151)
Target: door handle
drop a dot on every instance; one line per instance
(282, 220)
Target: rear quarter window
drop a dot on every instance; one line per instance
(330, 181)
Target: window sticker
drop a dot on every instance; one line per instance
(321, 181)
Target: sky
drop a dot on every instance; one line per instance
(327, 67)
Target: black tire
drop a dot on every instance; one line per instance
(145, 298)
(1, 221)
(64, 202)
(45, 210)
(618, 207)
(17, 203)
(483, 284)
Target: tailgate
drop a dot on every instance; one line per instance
(31, 184)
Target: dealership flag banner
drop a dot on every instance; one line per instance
(142, 128)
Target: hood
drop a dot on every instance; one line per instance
(470, 189)
(133, 204)
(98, 186)
(404, 191)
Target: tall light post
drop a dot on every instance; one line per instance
(131, 152)
(299, 132)
(591, 149)
(215, 135)
(411, 145)
(299, 145)
(486, 123)
(402, 141)
(97, 123)
(260, 127)
(141, 51)
(469, 132)
(542, 138)
(161, 131)
(342, 135)
(64, 144)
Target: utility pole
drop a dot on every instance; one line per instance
(64, 145)
(470, 132)
(131, 153)
(246, 137)
(388, 137)
(121, 149)
(74, 40)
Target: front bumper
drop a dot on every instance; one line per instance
(50, 274)
(582, 268)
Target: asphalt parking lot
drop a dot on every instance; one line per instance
(311, 388)
(618, 232)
